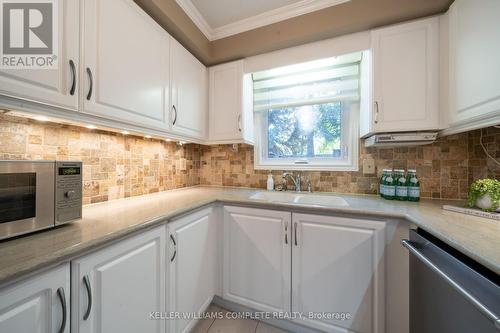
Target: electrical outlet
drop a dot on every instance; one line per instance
(369, 166)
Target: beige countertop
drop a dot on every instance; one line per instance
(476, 237)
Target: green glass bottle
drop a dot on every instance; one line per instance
(382, 183)
(390, 186)
(413, 186)
(401, 185)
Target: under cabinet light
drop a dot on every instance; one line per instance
(41, 118)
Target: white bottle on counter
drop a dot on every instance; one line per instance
(270, 182)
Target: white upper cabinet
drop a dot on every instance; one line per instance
(474, 66)
(37, 305)
(230, 104)
(405, 78)
(115, 289)
(192, 268)
(257, 258)
(188, 112)
(51, 87)
(338, 267)
(125, 67)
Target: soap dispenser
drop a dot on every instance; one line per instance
(270, 182)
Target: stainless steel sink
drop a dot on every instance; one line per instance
(299, 198)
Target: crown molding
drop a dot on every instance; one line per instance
(195, 16)
(276, 15)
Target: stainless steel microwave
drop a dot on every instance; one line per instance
(36, 195)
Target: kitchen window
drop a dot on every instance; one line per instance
(306, 115)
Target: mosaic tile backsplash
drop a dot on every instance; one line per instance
(118, 166)
(114, 166)
(445, 168)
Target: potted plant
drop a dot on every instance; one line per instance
(485, 194)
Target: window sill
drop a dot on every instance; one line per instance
(303, 167)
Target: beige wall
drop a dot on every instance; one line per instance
(346, 18)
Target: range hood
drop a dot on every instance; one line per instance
(404, 139)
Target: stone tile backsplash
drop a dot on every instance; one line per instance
(114, 166)
(445, 168)
(118, 166)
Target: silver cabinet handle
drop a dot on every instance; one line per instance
(286, 232)
(376, 113)
(295, 232)
(73, 76)
(239, 122)
(474, 301)
(174, 110)
(86, 281)
(175, 247)
(91, 83)
(62, 299)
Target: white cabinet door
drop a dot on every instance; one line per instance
(116, 288)
(230, 104)
(51, 87)
(189, 93)
(192, 270)
(257, 258)
(125, 72)
(338, 267)
(474, 68)
(37, 305)
(406, 76)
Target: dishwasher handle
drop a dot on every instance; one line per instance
(469, 297)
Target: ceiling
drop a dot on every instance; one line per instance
(242, 15)
(217, 31)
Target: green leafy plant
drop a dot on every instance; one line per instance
(482, 187)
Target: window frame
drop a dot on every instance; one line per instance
(350, 119)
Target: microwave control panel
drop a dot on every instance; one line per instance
(68, 191)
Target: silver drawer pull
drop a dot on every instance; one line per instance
(86, 282)
(295, 231)
(73, 77)
(91, 83)
(174, 110)
(62, 299)
(286, 232)
(175, 248)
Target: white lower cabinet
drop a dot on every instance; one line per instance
(338, 267)
(257, 258)
(192, 267)
(37, 305)
(330, 269)
(116, 288)
(315, 265)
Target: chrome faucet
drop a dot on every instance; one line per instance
(297, 180)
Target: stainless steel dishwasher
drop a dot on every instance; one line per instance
(449, 292)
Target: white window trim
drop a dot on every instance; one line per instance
(349, 164)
